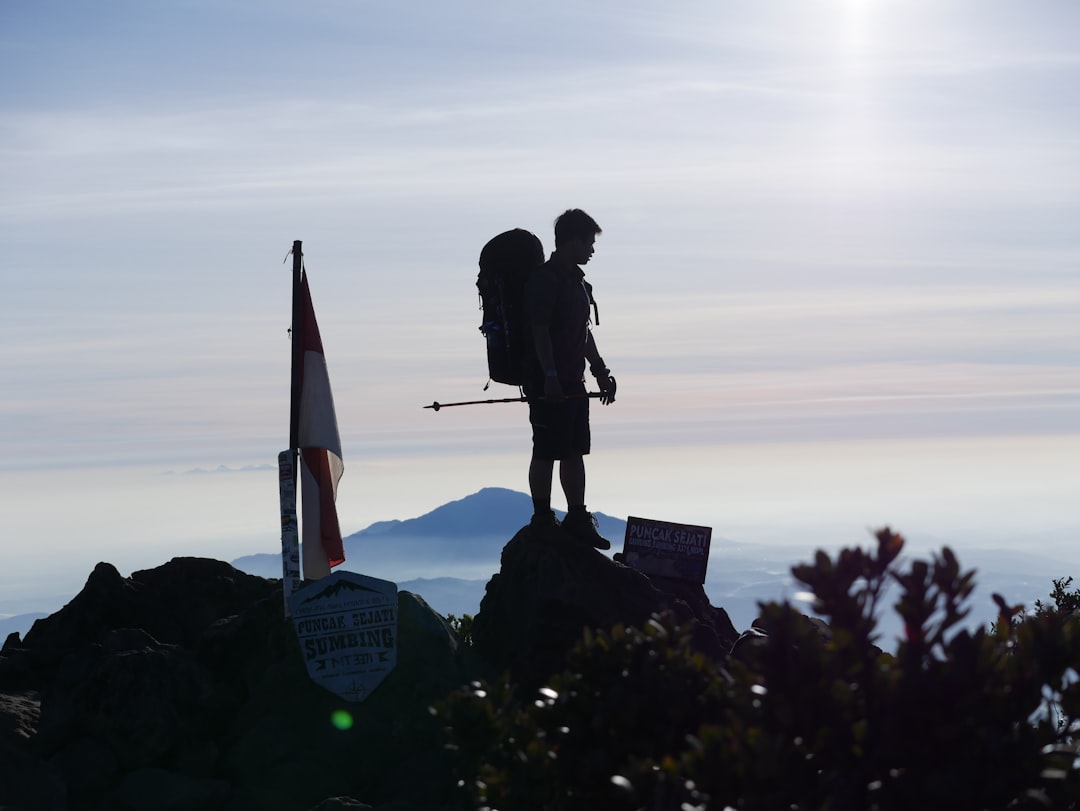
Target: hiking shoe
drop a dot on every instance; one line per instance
(544, 521)
(583, 526)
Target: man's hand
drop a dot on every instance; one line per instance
(607, 387)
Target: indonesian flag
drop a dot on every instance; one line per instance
(320, 451)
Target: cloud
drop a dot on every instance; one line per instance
(800, 241)
(199, 471)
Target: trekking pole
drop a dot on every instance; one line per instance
(608, 397)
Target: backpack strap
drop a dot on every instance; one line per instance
(592, 300)
(560, 283)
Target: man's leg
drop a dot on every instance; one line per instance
(542, 462)
(572, 478)
(541, 472)
(578, 522)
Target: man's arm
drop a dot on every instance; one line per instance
(545, 354)
(540, 295)
(592, 354)
(598, 368)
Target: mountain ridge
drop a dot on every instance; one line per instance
(468, 532)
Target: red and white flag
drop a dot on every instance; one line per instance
(320, 451)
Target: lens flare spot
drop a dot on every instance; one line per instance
(341, 719)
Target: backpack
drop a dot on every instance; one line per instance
(505, 263)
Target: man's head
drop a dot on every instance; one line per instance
(575, 233)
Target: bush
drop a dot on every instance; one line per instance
(1065, 601)
(462, 626)
(802, 716)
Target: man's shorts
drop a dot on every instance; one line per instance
(561, 429)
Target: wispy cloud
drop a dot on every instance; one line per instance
(221, 469)
(851, 220)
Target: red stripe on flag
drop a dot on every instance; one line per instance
(319, 440)
(329, 531)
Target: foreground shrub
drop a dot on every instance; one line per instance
(625, 696)
(802, 716)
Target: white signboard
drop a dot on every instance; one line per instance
(347, 627)
(290, 531)
(666, 549)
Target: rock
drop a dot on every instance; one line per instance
(173, 603)
(288, 719)
(341, 804)
(713, 632)
(28, 783)
(20, 712)
(88, 770)
(161, 790)
(549, 589)
(141, 705)
(184, 687)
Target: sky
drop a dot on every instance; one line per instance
(839, 274)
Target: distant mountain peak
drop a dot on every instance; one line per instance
(491, 511)
(463, 537)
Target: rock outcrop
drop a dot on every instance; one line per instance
(549, 588)
(184, 686)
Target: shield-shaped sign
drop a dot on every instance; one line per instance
(347, 627)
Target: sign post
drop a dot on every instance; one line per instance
(666, 549)
(347, 626)
(290, 532)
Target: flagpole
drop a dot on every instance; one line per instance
(288, 461)
(297, 353)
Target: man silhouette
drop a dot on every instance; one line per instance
(557, 304)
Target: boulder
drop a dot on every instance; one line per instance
(173, 603)
(28, 783)
(184, 687)
(549, 588)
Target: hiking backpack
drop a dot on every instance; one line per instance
(505, 263)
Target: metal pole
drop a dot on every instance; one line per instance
(297, 350)
(437, 405)
(288, 461)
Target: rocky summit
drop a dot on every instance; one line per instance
(184, 686)
(550, 587)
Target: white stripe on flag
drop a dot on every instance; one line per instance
(320, 454)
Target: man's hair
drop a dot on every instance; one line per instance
(574, 224)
